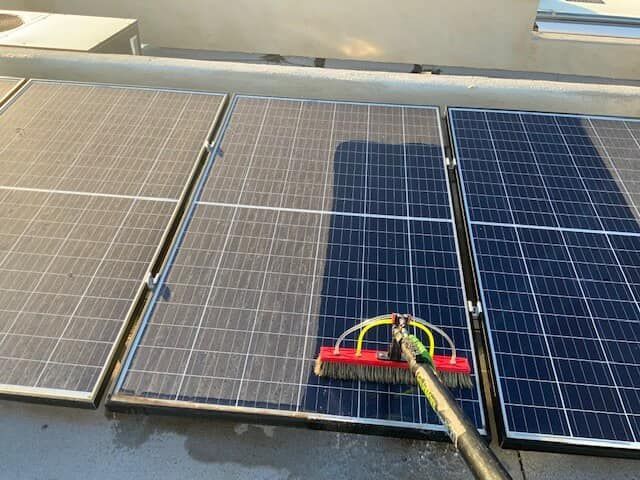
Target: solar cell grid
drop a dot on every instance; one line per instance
(556, 272)
(97, 139)
(65, 294)
(313, 216)
(90, 177)
(385, 135)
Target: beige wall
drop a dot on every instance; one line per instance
(14, 5)
(495, 34)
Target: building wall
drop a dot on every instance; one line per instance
(14, 5)
(495, 34)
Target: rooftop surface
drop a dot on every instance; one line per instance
(39, 442)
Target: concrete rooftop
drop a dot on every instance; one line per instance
(46, 442)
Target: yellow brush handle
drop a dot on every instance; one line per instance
(389, 321)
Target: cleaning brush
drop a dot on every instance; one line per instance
(408, 361)
(390, 367)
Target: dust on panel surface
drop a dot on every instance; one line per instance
(552, 204)
(90, 176)
(313, 216)
(7, 84)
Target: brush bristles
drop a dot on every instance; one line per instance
(455, 380)
(367, 373)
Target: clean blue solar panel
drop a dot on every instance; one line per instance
(313, 216)
(552, 207)
(545, 170)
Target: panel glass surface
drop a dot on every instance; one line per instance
(313, 216)
(90, 176)
(552, 206)
(7, 84)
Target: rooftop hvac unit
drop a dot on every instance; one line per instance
(69, 32)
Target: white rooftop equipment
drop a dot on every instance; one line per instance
(69, 32)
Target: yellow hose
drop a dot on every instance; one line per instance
(389, 321)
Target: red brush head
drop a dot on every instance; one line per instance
(442, 363)
(366, 357)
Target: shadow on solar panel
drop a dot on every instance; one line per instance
(366, 270)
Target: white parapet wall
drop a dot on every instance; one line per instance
(487, 34)
(322, 83)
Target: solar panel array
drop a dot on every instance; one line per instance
(90, 176)
(553, 210)
(313, 216)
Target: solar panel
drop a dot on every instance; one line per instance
(313, 216)
(7, 85)
(552, 209)
(90, 178)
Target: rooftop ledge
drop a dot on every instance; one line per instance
(324, 83)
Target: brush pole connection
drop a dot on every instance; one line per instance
(479, 458)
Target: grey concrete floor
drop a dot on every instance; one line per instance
(45, 442)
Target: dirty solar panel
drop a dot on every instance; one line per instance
(314, 215)
(90, 176)
(70, 267)
(7, 84)
(101, 139)
(552, 204)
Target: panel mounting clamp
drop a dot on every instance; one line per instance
(474, 309)
(152, 280)
(451, 162)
